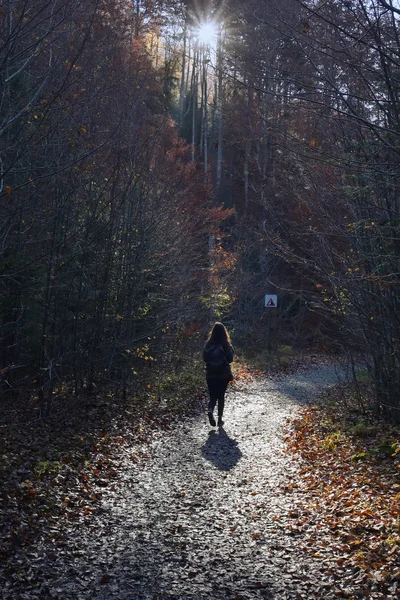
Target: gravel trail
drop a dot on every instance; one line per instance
(205, 516)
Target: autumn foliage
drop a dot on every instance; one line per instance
(104, 218)
(347, 498)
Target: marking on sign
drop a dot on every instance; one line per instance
(271, 301)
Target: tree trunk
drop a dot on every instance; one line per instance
(220, 114)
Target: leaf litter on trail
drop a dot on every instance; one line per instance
(53, 474)
(348, 510)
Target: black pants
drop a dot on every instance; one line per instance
(217, 389)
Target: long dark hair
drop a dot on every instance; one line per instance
(218, 335)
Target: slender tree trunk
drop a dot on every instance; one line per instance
(220, 114)
(188, 63)
(44, 360)
(205, 118)
(194, 104)
(137, 20)
(202, 109)
(182, 92)
(247, 150)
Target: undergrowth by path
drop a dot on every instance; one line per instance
(349, 482)
(53, 470)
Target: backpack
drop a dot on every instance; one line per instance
(216, 359)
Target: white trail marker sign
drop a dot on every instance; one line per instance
(271, 301)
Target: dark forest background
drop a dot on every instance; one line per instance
(152, 183)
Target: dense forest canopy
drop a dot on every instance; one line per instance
(164, 163)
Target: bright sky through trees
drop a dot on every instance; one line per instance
(207, 32)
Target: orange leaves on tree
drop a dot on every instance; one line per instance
(225, 260)
(219, 213)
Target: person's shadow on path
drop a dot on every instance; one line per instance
(221, 450)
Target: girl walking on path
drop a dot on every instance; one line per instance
(218, 354)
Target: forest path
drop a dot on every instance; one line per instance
(207, 516)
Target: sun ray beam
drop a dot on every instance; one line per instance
(207, 32)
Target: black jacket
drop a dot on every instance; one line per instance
(225, 373)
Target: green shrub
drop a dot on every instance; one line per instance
(363, 376)
(285, 351)
(363, 430)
